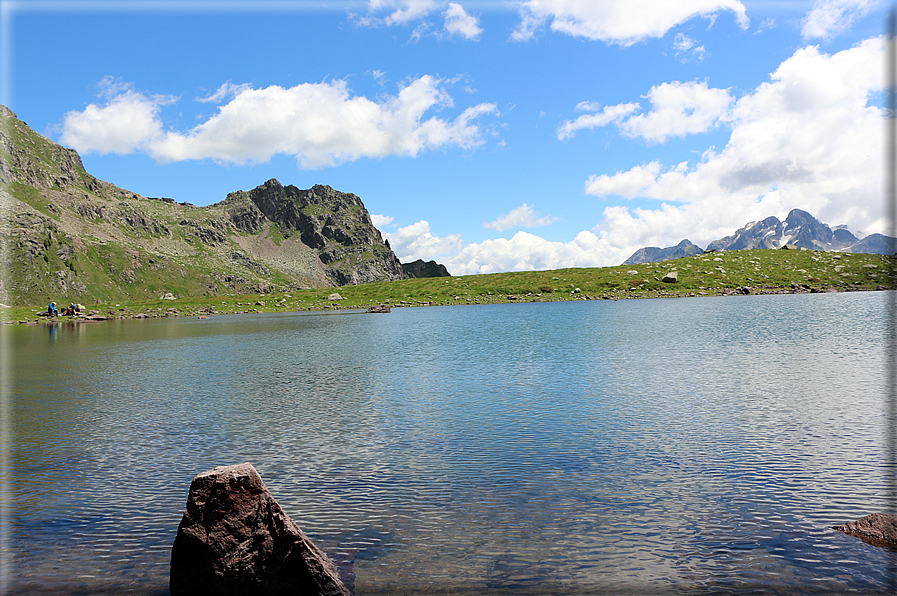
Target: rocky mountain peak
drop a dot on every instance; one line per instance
(803, 230)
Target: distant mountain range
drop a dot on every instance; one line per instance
(799, 230)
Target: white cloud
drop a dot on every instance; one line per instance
(767, 24)
(128, 121)
(677, 109)
(827, 18)
(459, 22)
(624, 22)
(226, 90)
(521, 217)
(320, 124)
(685, 46)
(683, 43)
(607, 115)
(417, 242)
(401, 12)
(522, 252)
(388, 13)
(806, 139)
(527, 252)
(628, 184)
(381, 221)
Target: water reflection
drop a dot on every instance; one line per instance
(701, 445)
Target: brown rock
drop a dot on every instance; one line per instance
(379, 308)
(879, 529)
(235, 539)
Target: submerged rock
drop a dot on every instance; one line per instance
(235, 539)
(379, 308)
(879, 529)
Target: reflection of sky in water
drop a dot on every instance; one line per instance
(690, 443)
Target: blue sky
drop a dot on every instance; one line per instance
(489, 136)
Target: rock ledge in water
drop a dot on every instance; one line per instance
(879, 529)
(235, 539)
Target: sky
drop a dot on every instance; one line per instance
(488, 136)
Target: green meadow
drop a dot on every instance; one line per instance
(709, 274)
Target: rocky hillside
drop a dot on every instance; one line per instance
(800, 230)
(68, 236)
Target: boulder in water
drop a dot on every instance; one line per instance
(879, 529)
(235, 539)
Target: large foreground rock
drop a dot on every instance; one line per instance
(879, 529)
(234, 539)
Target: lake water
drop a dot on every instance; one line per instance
(701, 445)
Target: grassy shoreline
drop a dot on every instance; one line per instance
(710, 274)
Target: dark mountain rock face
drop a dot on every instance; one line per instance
(71, 237)
(651, 254)
(419, 268)
(334, 223)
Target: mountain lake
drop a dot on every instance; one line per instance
(681, 446)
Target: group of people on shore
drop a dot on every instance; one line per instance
(52, 311)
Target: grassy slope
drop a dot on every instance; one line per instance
(762, 271)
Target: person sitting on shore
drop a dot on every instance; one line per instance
(51, 310)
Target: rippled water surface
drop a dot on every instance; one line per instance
(672, 446)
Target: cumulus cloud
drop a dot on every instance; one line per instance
(809, 138)
(459, 22)
(623, 22)
(522, 252)
(521, 217)
(528, 252)
(381, 221)
(128, 121)
(320, 124)
(827, 18)
(417, 242)
(677, 109)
